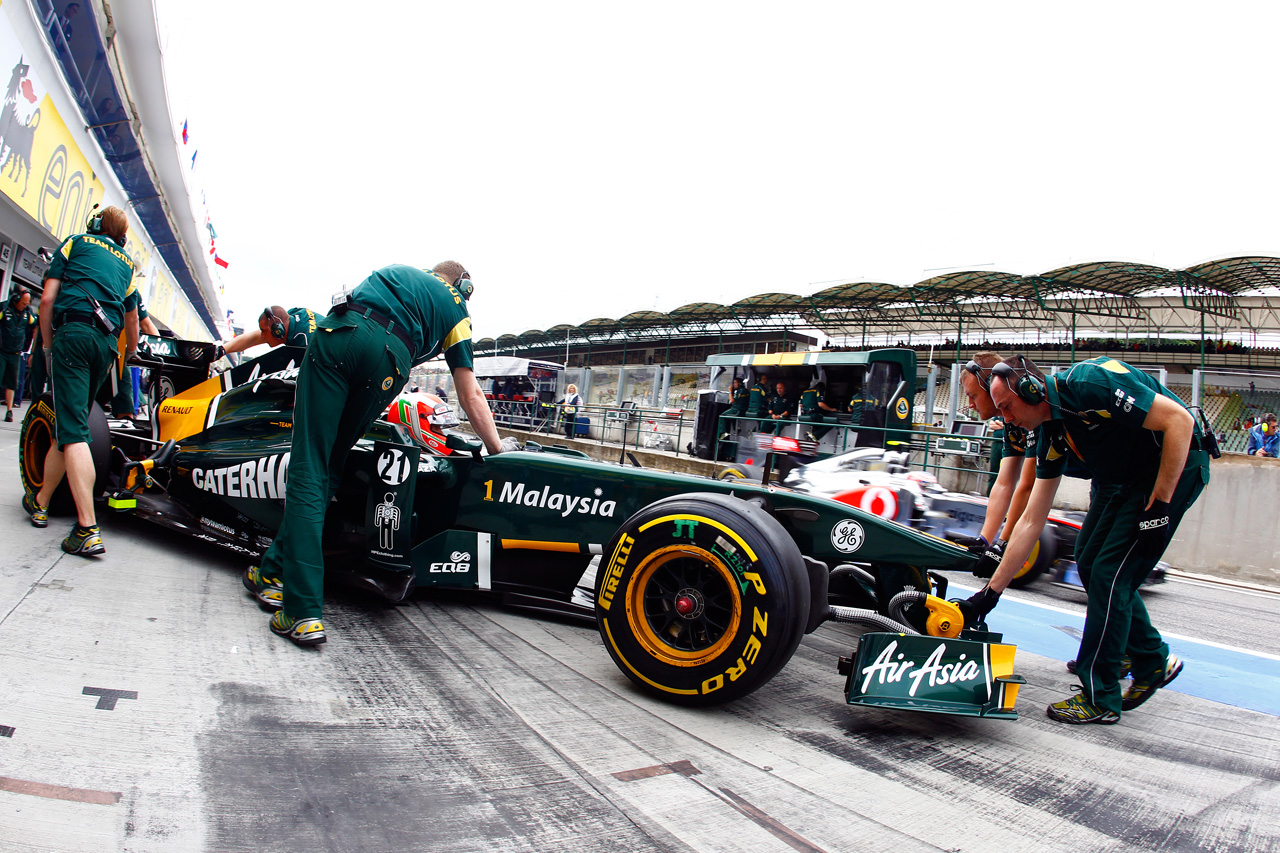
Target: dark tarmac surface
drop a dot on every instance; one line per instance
(451, 724)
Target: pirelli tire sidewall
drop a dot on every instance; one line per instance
(701, 598)
(1042, 555)
(35, 439)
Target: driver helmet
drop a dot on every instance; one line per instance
(427, 417)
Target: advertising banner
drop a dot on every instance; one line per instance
(41, 168)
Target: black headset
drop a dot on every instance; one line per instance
(1024, 383)
(976, 369)
(464, 286)
(94, 225)
(276, 327)
(15, 296)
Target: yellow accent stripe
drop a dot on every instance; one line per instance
(1001, 659)
(639, 674)
(535, 545)
(701, 520)
(460, 332)
(792, 358)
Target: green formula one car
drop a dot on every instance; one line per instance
(703, 588)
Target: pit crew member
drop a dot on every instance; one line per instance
(1263, 439)
(295, 327)
(16, 319)
(357, 362)
(86, 301)
(1148, 463)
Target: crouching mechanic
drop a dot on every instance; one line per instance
(1148, 463)
(357, 362)
(87, 299)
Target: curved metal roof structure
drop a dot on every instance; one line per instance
(1233, 293)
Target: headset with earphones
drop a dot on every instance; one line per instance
(275, 326)
(464, 286)
(1021, 381)
(94, 225)
(976, 369)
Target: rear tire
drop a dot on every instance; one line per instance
(35, 439)
(701, 598)
(1041, 558)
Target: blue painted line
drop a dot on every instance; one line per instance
(1235, 677)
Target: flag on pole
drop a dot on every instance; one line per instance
(184, 131)
(219, 261)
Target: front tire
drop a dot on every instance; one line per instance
(1043, 553)
(702, 598)
(35, 439)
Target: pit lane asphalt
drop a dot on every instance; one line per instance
(146, 707)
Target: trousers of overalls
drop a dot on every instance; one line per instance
(352, 371)
(1116, 622)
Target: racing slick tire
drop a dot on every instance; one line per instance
(701, 598)
(35, 440)
(731, 473)
(1043, 553)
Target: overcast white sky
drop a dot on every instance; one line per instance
(589, 159)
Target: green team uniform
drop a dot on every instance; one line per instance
(809, 411)
(758, 399)
(90, 267)
(356, 363)
(1098, 407)
(778, 405)
(14, 325)
(737, 407)
(858, 408)
(301, 327)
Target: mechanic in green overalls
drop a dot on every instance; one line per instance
(814, 408)
(1148, 462)
(758, 401)
(357, 362)
(86, 301)
(739, 396)
(16, 319)
(276, 326)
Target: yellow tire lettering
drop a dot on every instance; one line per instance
(735, 672)
(712, 684)
(751, 651)
(760, 622)
(617, 563)
(756, 581)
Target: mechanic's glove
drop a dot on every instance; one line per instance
(48, 361)
(989, 560)
(1153, 531)
(509, 444)
(978, 605)
(975, 544)
(130, 354)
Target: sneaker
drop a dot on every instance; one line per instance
(268, 591)
(1140, 691)
(1077, 710)
(303, 632)
(8, 416)
(810, 436)
(1126, 666)
(39, 514)
(85, 541)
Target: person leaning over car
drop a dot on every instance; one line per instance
(356, 363)
(1016, 471)
(123, 403)
(1148, 464)
(295, 327)
(1263, 439)
(15, 319)
(86, 301)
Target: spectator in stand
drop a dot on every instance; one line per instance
(1263, 439)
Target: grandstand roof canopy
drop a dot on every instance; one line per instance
(1240, 295)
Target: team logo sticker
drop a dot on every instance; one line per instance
(902, 407)
(847, 536)
(386, 384)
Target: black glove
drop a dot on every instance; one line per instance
(1153, 531)
(990, 559)
(978, 605)
(975, 544)
(218, 352)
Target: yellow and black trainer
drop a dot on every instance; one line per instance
(85, 541)
(1140, 691)
(268, 591)
(39, 514)
(303, 632)
(1077, 710)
